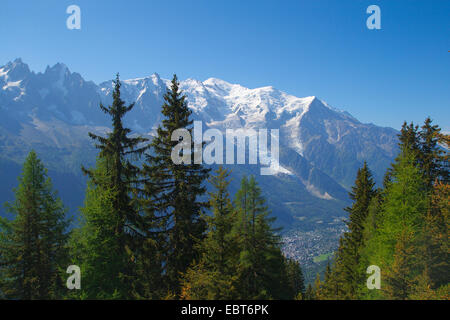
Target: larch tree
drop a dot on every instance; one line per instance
(33, 245)
(214, 276)
(261, 269)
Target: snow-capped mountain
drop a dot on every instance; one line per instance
(320, 147)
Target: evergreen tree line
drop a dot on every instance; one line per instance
(401, 227)
(144, 230)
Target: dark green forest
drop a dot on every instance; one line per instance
(149, 229)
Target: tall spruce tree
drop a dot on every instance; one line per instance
(431, 156)
(33, 245)
(174, 191)
(347, 271)
(111, 199)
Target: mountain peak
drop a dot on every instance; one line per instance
(156, 79)
(18, 61)
(315, 104)
(216, 82)
(311, 99)
(192, 82)
(58, 67)
(15, 70)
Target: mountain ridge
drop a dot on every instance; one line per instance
(320, 147)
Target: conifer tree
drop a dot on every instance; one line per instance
(409, 137)
(436, 227)
(94, 246)
(444, 141)
(214, 276)
(396, 246)
(295, 279)
(261, 264)
(219, 246)
(174, 191)
(405, 229)
(431, 159)
(405, 205)
(111, 199)
(32, 246)
(436, 235)
(328, 285)
(362, 194)
(371, 227)
(336, 285)
(399, 281)
(347, 271)
(309, 293)
(318, 289)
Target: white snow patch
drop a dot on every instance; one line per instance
(12, 84)
(3, 73)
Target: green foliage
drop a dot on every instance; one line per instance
(107, 243)
(403, 228)
(144, 234)
(240, 255)
(394, 239)
(295, 279)
(214, 276)
(172, 192)
(94, 247)
(347, 276)
(261, 271)
(309, 293)
(432, 158)
(435, 238)
(33, 245)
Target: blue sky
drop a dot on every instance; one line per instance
(322, 48)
